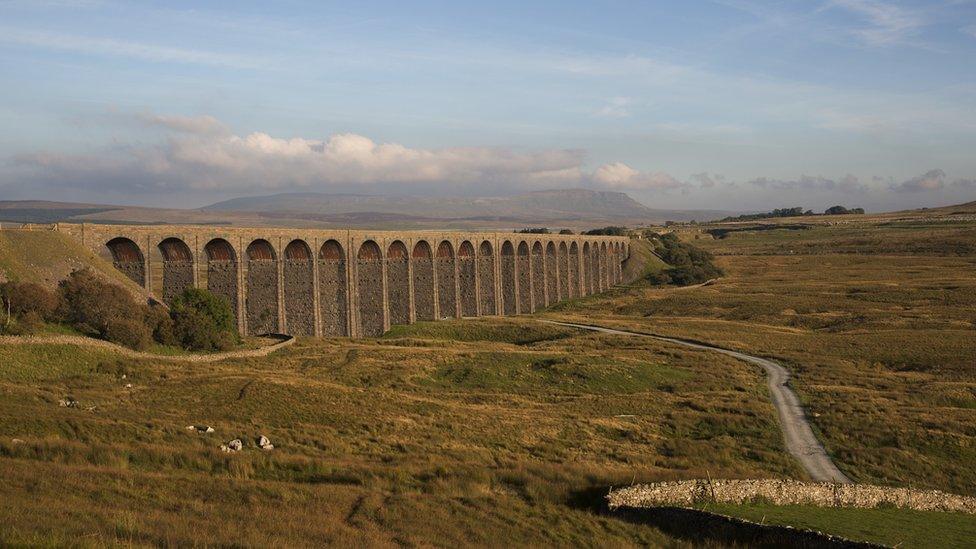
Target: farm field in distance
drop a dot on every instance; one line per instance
(509, 431)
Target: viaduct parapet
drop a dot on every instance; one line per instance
(358, 283)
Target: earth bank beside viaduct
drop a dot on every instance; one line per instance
(358, 283)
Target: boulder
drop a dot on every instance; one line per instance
(264, 443)
(200, 428)
(233, 446)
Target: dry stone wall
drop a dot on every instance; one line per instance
(787, 492)
(320, 282)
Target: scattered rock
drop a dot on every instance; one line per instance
(200, 428)
(18, 441)
(264, 443)
(233, 446)
(68, 403)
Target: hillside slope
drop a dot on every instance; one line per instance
(47, 257)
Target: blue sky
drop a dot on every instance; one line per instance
(729, 104)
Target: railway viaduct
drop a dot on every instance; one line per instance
(358, 283)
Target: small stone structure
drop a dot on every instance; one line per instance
(358, 283)
(688, 493)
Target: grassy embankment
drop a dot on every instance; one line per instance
(877, 322)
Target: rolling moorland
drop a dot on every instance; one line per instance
(510, 431)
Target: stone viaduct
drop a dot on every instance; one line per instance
(358, 283)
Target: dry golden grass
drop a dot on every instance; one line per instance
(877, 321)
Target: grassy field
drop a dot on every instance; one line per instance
(501, 431)
(894, 527)
(877, 322)
(428, 435)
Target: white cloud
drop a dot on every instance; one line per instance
(616, 107)
(887, 23)
(122, 48)
(200, 154)
(618, 175)
(932, 180)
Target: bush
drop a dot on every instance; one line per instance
(129, 332)
(28, 297)
(160, 324)
(203, 321)
(608, 231)
(689, 264)
(101, 309)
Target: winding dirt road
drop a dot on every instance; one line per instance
(797, 433)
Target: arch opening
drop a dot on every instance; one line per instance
(261, 302)
(398, 283)
(486, 274)
(574, 270)
(509, 280)
(523, 266)
(299, 289)
(222, 271)
(552, 288)
(423, 281)
(563, 261)
(177, 267)
(467, 286)
(128, 258)
(587, 269)
(333, 297)
(369, 268)
(538, 277)
(446, 290)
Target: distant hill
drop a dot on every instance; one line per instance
(542, 205)
(568, 208)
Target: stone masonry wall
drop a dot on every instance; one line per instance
(332, 297)
(466, 284)
(398, 290)
(300, 305)
(446, 297)
(370, 296)
(423, 288)
(486, 272)
(787, 492)
(262, 296)
(222, 281)
(508, 285)
(177, 276)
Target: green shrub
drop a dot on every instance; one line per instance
(129, 332)
(28, 297)
(89, 303)
(203, 321)
(689, 264)
(157, 319)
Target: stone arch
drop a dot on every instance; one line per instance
(574, 270)
(509, 276)
(617, 261)
(423, 281)
(177, 267)
(398, 282)
(563, 262)
(369, 281)
(261, 302)
(552, 287)
(299, 289)
(222, 271)
(538, 277)
(446, 296)
(333, 294)
(523, 264)
(486, 272)
(128, 258)
(604, 264)
(466, 279)
(587, 269)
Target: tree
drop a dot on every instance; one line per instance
(90, 304)
(203, 321)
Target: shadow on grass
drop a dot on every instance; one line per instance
(704, 528)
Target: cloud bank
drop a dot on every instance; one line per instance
(201, 154)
